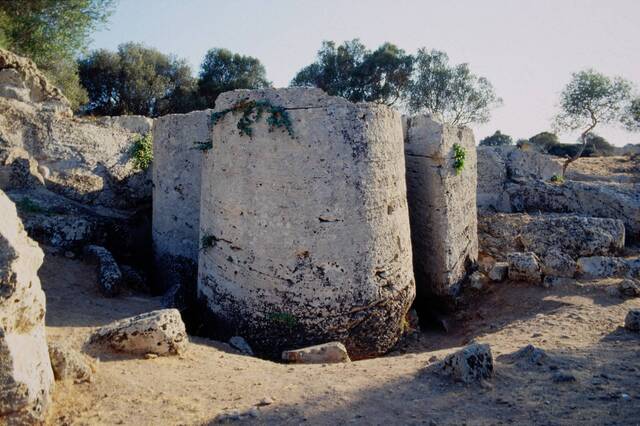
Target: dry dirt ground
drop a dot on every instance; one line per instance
(579, 326)
(620, 169)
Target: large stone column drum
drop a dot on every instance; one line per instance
(441, 189)
(304, 226)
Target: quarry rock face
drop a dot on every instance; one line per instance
(26, 376)
(442, 204)
(176, 195)
(573, 235)
(305, 235)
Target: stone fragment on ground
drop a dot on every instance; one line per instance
(240, 344)
(632, 320)
(69, 364)
(528, 355)
(26, 377)
(524, 267)
(478, 280)
(629, 287)
(499, 271)
(160, 332)
(332, 352)
(470, 364)
(109, 275)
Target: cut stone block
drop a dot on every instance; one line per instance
(306, 235)
(442, 204)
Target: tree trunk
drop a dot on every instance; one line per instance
(583, 139)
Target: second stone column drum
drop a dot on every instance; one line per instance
(304, 227)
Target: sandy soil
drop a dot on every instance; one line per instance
(579, 326)
(620, 169)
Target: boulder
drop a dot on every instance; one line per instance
(604, 267)
(629, 287)
(558, 264)
(478, 280)
(240, 344)
(313, 244)
(159, 332)
(499, 272)
(26, 378)
(470, 364)
(524, 267)
(593, 199)
(69, 364)
(442, 205)
(632, 320)
(326, 353)
(573, 235)
(109, 275)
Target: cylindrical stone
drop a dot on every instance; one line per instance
(442, 206)
(306, 236)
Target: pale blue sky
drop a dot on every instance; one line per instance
(527, 49)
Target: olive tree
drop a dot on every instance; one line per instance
(497, 139)
(353, 72)
(631, 118)
(591, 98)
(450, 92)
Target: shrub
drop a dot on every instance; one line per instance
(497, 139)
(142, 152)
(459, 154)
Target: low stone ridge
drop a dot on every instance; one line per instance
(109, 275)
(470, 364)
(176, 199)
(442, 204)
(313, 242)
(69, 364)
(332, 352)
(605, 266)
(160, 332)
(26, 377)
(572, 235)
(524, 267)
(632, 320)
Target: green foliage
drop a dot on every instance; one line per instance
(544, 141)
(142, 151)
(631, 118)
(222, 70)
(358, 74)
(283, 319)
(497, 139)
(459, 155)
(557, 179)
(451, 92)
(600, 147)
(137, 80)
(252, 111)
(52, 33)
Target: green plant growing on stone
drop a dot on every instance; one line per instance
(142, 152)
(459, 155)
(557, 179)
(283, 319)
(252, 111)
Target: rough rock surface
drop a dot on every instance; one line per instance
(595, 199)
(498, 166)
(176, 198)
(526, 356)
(558, 264)
(331, 352)
(69, 364)
(499, 271)
(573, 235)
(26, 377)
(632, 320)
(604, 266)
(442, 205)
(306, 236)
(629, 287)
(159, 332)
(524, 267)
(109, 275)
(470, 364)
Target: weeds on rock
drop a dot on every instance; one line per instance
(557, 179)
(459, 155)
(142, 152)
(252, 111)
